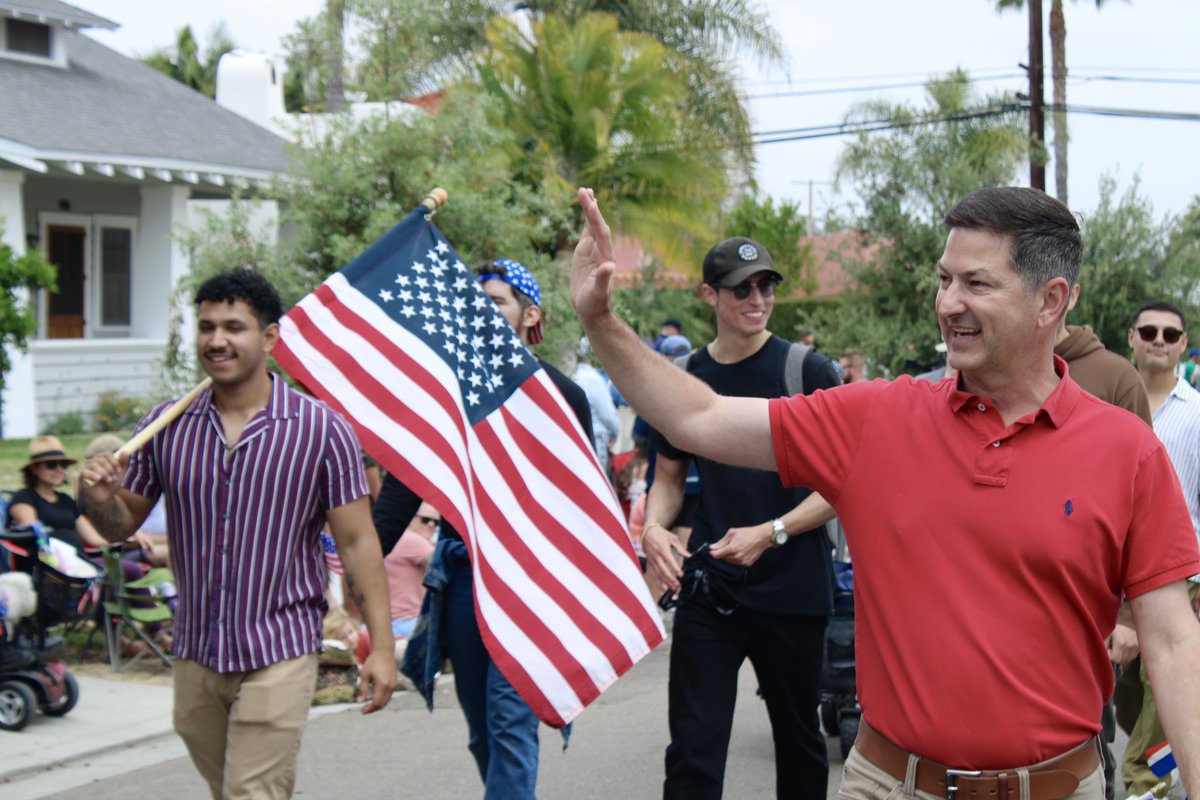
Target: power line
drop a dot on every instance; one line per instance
(968, 79)
(876, 125)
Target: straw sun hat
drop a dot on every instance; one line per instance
(46, 448)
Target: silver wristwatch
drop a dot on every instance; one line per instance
(779, 535)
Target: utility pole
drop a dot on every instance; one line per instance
(1037, 119)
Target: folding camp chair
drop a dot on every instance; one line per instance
(129, 607)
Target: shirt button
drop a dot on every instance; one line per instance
(227, 481)
(981, 407)
(995, 444)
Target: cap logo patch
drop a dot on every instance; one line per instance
(748, 252)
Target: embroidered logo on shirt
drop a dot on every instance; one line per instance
(1068, 509)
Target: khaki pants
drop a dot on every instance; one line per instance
(862, 780)
(242, 729)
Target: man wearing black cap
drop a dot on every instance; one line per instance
(774, 612)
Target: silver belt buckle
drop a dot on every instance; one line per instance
(953, 774)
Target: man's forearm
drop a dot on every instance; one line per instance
(812, 512)
(663, 503)
(366, 582)
(112, 519)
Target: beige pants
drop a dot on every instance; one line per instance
(242, 729)
(862, 780)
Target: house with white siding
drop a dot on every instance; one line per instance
(101, 158)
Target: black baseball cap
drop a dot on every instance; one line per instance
(734, 260)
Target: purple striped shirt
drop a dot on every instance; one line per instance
(243, 527)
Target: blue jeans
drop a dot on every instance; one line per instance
(503, 730)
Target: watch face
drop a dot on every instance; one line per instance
(780, 538)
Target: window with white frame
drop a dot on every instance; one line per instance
(113, 270)
(25, 38)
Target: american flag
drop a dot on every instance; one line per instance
(333, 561)
(444, 395)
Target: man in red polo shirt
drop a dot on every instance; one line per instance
(996, 521)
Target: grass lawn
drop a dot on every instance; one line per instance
(15, 452)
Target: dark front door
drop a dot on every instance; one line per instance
(64, 312)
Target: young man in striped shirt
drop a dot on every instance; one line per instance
(1158, 338)
(250, 472)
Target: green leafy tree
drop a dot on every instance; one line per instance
(780, 229)
(907, 179)
(1130, 257)
(591, 105)
(352, 186)
(20, 277)
(184, 61)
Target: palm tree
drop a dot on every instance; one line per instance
(1058, 69)
(596, 106)
(704, 37)
(184, 63)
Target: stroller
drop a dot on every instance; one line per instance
(33, 669)
(840, 712)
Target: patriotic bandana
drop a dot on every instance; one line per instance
(518, 276)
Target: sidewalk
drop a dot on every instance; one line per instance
(118, 726)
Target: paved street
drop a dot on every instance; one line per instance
(615, 752)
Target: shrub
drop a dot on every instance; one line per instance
(117, 413)
(67, 424)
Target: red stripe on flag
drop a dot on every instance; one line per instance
(534, 565)
(384, 400)
(584, 558)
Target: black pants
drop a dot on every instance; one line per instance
(707, 650)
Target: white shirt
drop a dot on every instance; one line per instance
(1177, 425)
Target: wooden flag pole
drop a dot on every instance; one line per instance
(164, 419)
(161, 421)
(435, 199)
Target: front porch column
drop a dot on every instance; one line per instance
(18, 416)
(159, 261)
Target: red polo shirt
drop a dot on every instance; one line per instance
(989, 560)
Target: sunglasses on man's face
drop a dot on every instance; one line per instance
(766, 288)
(1150, 332)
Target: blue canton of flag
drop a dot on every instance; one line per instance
(435, 297)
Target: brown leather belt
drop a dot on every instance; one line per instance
(1051, 780)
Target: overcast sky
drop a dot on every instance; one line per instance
(856, 43)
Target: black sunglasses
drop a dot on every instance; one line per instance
(766, 288)
(1150, 332)
(55, 464)
(428, 520)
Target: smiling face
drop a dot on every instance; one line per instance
(986, 314)
(49, 474)
(748, 317)
(1157, 355)
(231, 344)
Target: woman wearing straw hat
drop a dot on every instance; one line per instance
(41, 501)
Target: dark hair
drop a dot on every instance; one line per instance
(1046, 243)
(1159, 305)
(27, 473)
(676, 324)
(524, 301)
(245, 285)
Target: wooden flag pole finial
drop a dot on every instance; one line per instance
(435, 199)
